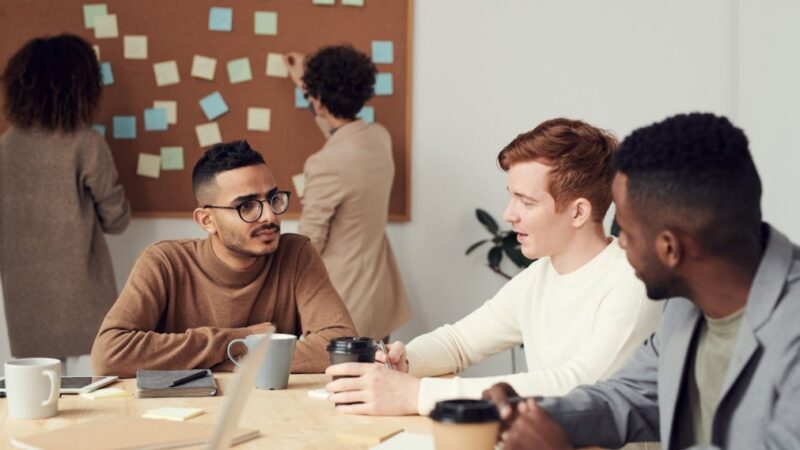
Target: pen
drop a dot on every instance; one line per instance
(382, 346)
(188, 378)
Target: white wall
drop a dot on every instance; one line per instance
(486, 71)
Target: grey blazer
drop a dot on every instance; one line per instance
(760, 399)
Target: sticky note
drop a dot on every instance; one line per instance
(220, 19)
(323, 2)
(353, 2)
(101, 129)
(239, 70)
(124, 127)
(171, 158)
(203, 67)
(96, 49)
(171, 107)
(275, 66)
(383, 84)
(106, 75)
(320, 394)
(155, 119)
(367, 114)
(208, 134)
(300, 100)
(176, 414)
(149, 165)
(213, 105)
(258, 119)
(382, 52)
(105, 26)
(101, 394)
(299, 182)
(266, 23)
(135, 47)
(91, 11)
(166, 73)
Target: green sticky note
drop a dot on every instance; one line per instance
(353, 2)
(324, 2)
(171, 158)
(91, 11)
(266, 23)
(239, 70)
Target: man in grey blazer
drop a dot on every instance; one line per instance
(723, 368)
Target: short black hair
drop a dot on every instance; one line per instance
(694, 171)
(221, 158)
(342, 78)
(53, 83)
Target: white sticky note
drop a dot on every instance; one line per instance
(323, 2)
(275, 66)
(299, 182)
(106, 26)
(176, 414)
(96, 49)
(208, 134)
(203, 67)
(135, 47)
(258, 119)
(166, 73)
(353, 2)
(171, 107)
(100, 394)
(320, 394)
(149, 165)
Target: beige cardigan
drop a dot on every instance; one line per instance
(345, 210)
(58, 195)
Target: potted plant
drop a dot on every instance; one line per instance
(504, 242)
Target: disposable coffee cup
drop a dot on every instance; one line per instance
(465, 425)
(352, 349)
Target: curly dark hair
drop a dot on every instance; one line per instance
(694, 172)
(53, 83)
(342, 78)
(221, 158)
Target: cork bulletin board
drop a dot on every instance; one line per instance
(178, 30)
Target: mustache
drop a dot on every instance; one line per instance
(269, 226)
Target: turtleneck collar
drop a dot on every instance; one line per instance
(224, 274)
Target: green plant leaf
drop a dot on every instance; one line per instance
(476, 245)
(487, 221)
(512, 249)
(494, 256)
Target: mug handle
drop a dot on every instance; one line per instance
(54, 387)
(230, 346)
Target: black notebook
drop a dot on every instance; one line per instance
(155, 383)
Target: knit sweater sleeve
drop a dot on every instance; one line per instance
(323, 315)
(127, 339)
(623, 314)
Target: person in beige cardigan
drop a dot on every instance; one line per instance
(347, 188)
(58, 195)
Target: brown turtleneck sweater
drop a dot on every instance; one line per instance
(182, 306)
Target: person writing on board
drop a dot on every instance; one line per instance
(186, 300)
(347, 188)
(59, 195)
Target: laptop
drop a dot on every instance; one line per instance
(136, 433)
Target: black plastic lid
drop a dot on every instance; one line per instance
(352, 344)
(465, 411)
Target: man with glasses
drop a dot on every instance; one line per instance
(185, 300)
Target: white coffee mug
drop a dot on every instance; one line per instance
(32, 387)
(274, 371)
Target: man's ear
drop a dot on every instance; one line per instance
(203, 218)
(581, 210)
(669, 248)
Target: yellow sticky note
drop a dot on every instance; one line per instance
(176, 414)
(106, 26)
(208, 134)
(299, 182)
(135, 47)
(100, 394)
(171, 107)
(203, 67)
(275, 66)
(166, 73)
(258, 119)
(96, 49)
(149, 165)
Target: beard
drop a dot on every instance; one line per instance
(658, 281)
(238, 243)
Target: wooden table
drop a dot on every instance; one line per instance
(287, 419)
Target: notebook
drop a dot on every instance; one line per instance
(155, 384)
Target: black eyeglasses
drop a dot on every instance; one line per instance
(250, 210)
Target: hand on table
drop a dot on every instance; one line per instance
(534, 429)
(380, 390)
(397, 356)
(296, 65)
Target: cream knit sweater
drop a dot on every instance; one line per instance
(577, 328)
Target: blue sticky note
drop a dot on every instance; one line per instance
(220, 19)
(106, 75)
(300, 100)
(383, 84)
(124, 127)
(155, 119)
(213, 105)
(382, 52)
(101, 129)
(367, 114)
